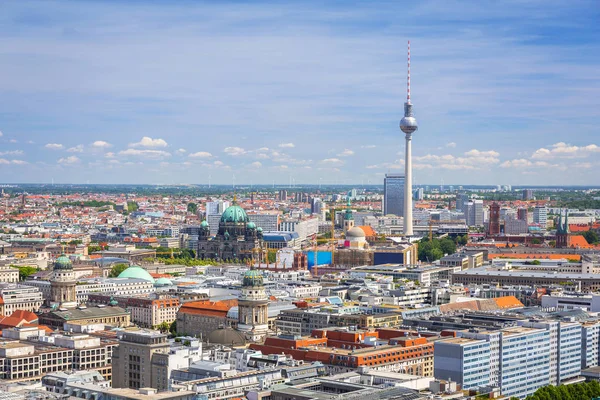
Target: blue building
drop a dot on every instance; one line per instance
(524, 361)
(462, 360)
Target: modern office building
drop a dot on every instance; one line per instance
(393, 194)
(465, 361)
(540, 216)
(524, 360)
(461, 201)
(216, 207)
(474, 213)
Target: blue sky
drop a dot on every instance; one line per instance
(182, 91)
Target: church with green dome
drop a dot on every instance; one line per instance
(236, 238)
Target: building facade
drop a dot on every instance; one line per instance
(393, 195)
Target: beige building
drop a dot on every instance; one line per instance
(19, 297)
(24, 360)
(133, 358)
(9, 274)
(147, 313)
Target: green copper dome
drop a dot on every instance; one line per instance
(163, 282)
(252, 278)
(137, 273)
(63, 262)
(204, 224)
(251, 225)
(234, 214)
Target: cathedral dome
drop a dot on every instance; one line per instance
(355, 232)
(63, 262)
(137, 273)
(251, 225)
(204, 224)
(252, 278)
(234, 214)
(226, 336)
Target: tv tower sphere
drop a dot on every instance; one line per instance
(408, 124)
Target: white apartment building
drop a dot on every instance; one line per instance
(304, 228)
(268, 221)
(303, 291)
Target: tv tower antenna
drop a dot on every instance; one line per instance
(408, 125)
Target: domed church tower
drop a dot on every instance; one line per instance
(63, 283)
(236, 239)
(253, 307)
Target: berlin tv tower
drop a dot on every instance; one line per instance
(408, 125)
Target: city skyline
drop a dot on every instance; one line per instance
(180, 92)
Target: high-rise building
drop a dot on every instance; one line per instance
(474, 213)
(216, 207)
(522, 214)
(408, 125)
(283, 195)
(461, 201)
(494, 225)
(527, 194)
(465, 361)
(316, 206)
(393, 195)
(540, 216)
(132, 359)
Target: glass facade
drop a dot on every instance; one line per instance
(393, 195)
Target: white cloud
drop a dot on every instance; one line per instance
(346, 153)
(181, 151)
(564, 150)
(145, 153)
(13, 141)
(19, 162)
(54, 146)
(109, 154)
(368, 146)
(218, 163)
(149, 142)
(3, 161)
(234, 151)
(287, 145)
(518, 163)
(471, 160)
(256, 164)
(101, 144)
(76, 149)
(262, 149)
(200, 154)
(69, 160)
(11, 153)
(1, 134)
(451, 145)
(332, 161)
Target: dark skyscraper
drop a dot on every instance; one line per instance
(494, 225)
(393, 194)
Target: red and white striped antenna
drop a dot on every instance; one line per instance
(408, 79)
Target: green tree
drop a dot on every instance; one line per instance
(447, 246)
(591, 237)
(117, 269)
(25, 271)
(132, 206)
(536, 241)
(163, 327)
(92, 248)
(192, 208)
(173, 328)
